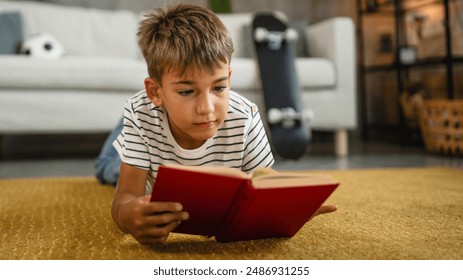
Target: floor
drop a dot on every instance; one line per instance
(319, 157)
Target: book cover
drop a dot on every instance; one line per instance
(231, 205)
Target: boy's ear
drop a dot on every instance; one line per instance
(153, 89)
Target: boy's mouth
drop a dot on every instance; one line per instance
(205, 124)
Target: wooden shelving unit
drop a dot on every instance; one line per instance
(397, 9)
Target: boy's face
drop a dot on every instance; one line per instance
(196, 102)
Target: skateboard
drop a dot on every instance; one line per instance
(287, 119)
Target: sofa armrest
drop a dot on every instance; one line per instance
(334, 39)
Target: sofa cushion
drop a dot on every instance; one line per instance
(11, 32)
(245, 74)
(82, 31)
(90, 72)
(72, 72)
(312, 73)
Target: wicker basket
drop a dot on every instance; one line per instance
(441, 123)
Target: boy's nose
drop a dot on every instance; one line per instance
(205, 104)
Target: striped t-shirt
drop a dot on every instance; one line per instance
(146, 140)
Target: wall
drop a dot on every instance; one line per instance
(295, 10)
(134, 5)
(313, 10)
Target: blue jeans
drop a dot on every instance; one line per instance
(107, 164)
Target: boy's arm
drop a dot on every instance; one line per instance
(131, 185)
(148, 222)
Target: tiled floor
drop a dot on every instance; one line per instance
(319, 156)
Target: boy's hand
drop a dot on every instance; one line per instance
(150, 222)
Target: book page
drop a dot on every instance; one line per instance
(218, 170)
(287, 179)
(264, 177)
(265, 171)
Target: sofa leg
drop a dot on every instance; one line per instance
(341, 142)
(1, 147)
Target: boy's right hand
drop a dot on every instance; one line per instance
(150, 222)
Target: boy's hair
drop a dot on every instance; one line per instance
(181, 36)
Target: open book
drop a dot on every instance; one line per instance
(232, 205)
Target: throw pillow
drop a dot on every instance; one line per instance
(42, 45)
(11, 32)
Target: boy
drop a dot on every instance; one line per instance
(186, 115)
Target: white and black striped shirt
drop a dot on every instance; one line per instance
(146, 140)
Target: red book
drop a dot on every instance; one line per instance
(232, 205)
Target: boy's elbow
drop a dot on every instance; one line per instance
(115, 214)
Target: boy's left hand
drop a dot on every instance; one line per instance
(324, 209)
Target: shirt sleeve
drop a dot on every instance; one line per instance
(257, 151)
(130, 143)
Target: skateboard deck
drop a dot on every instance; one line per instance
(288, 122)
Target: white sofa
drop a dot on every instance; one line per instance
(84, 91)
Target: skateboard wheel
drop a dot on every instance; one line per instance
(285, 116)
(289, 117)
(289, 123)
(291, 35)
(274, 115)
(275, 39)
(260, 34)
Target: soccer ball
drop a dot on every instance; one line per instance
(42, 45)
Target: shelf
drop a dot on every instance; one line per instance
(432, 61)
(381, 8)
(379, 68)
(389, 8)
(413, 5)
(379, 11)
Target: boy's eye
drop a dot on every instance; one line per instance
(185, 92)
(219, 88)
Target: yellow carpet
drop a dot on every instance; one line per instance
(383, 214)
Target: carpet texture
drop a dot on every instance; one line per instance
(383, 214)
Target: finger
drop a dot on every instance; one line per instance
(171, 226)
(160, 206)
(327, 209)
(324, 209)
(165, 218)
(157, 234)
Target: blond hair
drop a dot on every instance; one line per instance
(182, 36)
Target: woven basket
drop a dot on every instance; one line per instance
(441, 123)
